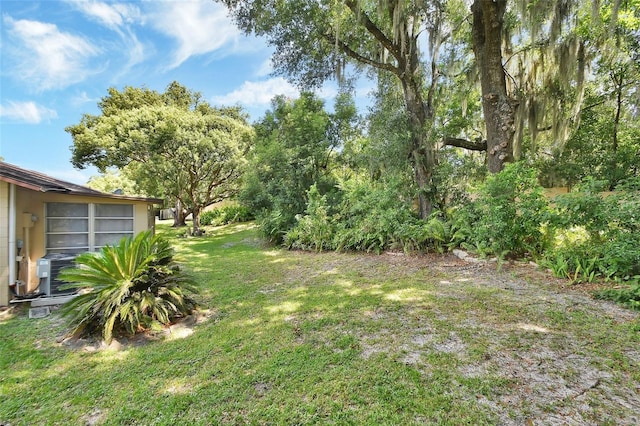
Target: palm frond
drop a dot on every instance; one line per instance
(132, 285)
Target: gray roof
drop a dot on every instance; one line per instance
(40, 182)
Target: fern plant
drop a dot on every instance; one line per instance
(628, 293)
(133, 286)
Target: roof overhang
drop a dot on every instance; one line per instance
(39, 182)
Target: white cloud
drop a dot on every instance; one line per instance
(83, 98)
(136, 52)
(111, 15)
(118, 17)
(328, 91)
(198, 26)
(27, 112)
(265, 68)
(258, 93)
(45, 57)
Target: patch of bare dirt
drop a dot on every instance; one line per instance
(557, 370)
(182, 328)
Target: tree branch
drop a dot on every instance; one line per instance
(477, 145)
(373, 29)
(363, 59)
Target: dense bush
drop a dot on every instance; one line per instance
(372, 216)
(293, 151)
(208, 217)
(597, 234)
(315, 230)
(628, 293)
(506, 217)
(132, 286)
(232, 213)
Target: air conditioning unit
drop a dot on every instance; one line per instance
(48, 268)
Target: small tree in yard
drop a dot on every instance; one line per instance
(133, 286)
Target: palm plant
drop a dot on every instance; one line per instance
(132, 286)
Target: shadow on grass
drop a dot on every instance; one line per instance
(304, 338)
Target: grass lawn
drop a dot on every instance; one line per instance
(327, 338)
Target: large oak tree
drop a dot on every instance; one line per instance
(172, 144)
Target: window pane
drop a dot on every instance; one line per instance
(114, 225)
(67, 210)
(80, 241)
(67, 225)
(114, 210)
(111, 239)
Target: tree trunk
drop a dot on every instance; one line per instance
(195, 214)
(498, 108)
(423, 156)
(617, 81)
(423, 153)
(179, 215)
(403, 46)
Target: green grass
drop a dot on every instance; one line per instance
(327, 338)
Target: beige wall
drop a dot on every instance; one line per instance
(33, 233)
(4, 243)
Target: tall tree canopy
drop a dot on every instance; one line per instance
(314, 40)
(172, 144)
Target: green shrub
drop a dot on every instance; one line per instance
(274, 224)
(314, 230)
(370, 216)
(132, 286)
(294, 150)
(209, 217)
(596, 234)
(628, 294)
(235, 213)
(507, 217)
(232, 213)
(578, 263)
(584, 208)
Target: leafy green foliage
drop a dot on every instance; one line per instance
(590, 152)
(596, 233)
(132, 286)
(507, 216)
(293, 151)
(232, 213)
(628, 293)
(315, 230)
(575, 263)
(112, 181)
(372, 216)
(172, 144)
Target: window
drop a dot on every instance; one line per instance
(67, 228)
(112, 222)
(76, 228)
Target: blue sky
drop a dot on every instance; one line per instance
(59, 57)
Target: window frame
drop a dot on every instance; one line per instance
(93, 233)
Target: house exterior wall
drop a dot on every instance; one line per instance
(4, 243)
(33, 233)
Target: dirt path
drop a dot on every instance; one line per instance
(565, 357)
(561, 377)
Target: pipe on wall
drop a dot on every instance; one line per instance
(12, 234)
